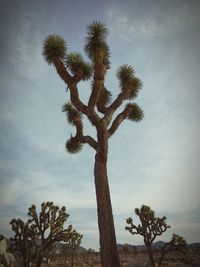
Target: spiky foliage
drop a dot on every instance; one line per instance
(133, 87)
(125, 73)
(78, 67)
(149, 229)
(129, 83)
(136, 113)
(95, 43)
(150, 226)
(73, 146)
(40, 232)
(73, 115)
(54, 47)
(50, 217)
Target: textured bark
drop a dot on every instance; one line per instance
(108, 244)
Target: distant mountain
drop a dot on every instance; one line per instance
(156, 245)
(131, 248)
(121, 247)
(194, 245)
(61, 248)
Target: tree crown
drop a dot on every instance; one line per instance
(72, 68)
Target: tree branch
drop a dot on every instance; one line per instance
(113, 107)
(70, 81)
(80, 137)
(118, 120)
(74, 96)
(89, 140)
(98, 85)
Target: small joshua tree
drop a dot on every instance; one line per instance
(176, 243)
(39, 234)
(21, 241)
(100, 111)
(149, 229)
(47, 227)
(72, 242)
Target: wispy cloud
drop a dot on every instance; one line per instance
(152, 19)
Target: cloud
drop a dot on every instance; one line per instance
(152, 19)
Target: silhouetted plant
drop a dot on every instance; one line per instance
(36, 238)
(150, 228)
(47, 226)
(21, 241)
(72, 242)
(100, 111)
(176, 243)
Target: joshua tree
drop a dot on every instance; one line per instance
(47, 227)
(39, 234)
(176, 243)
(22, 240)
(149, 229)
(72, 69)
(72, 242)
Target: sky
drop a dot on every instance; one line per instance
(154, 162)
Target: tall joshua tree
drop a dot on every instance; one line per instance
(100, 111)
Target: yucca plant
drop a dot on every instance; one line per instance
(101, 112)
(149, 228)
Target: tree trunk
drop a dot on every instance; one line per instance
(163, 252)
(108, 245)
(72, 258)
(39, 261)
(24, 260)
(151, 256)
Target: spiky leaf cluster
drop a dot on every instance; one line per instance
(77, 66)
(50, 217)
(129, 83)
(73, 146)
(54, 47)
(136, 113)
(72, 113)
(146, 211)
(95, 43)
(125, 73)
